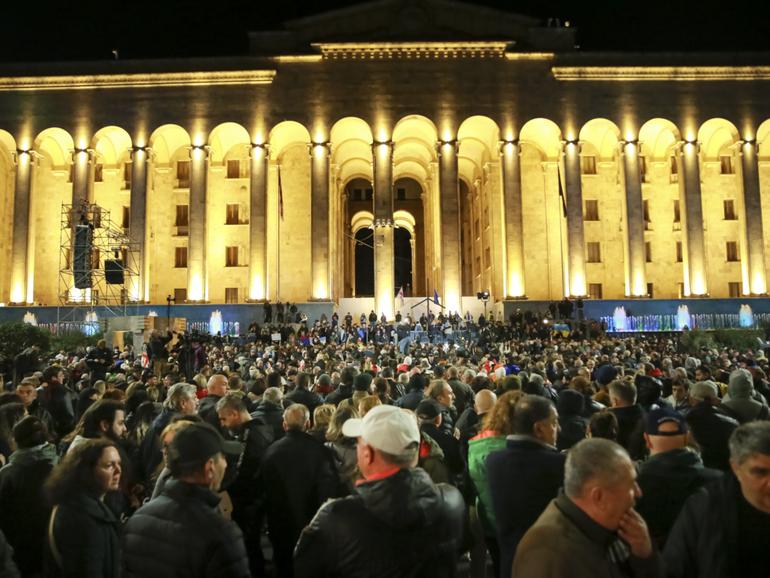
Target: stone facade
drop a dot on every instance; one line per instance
(524, 172)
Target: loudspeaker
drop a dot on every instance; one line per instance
(81, 260)
(114, 272)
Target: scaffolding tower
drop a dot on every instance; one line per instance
(111, 267)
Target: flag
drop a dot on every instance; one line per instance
(401, 296)
(280, 193)
(561, 192)
(435, 297)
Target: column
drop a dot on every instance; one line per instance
(384, 272)
(636, 283)
(575, 237)
(258, 223)
(752, 207)
(319, 218)
(138, 222)
(449, 203)
(695, 268)
(197, 289)
(80, 160)
(21, 280)
(514, 221)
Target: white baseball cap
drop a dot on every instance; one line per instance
(385, 427)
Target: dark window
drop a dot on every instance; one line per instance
(594, 252)
(98, 173)
(588, 165)
(233, 169)
(183, 174)
(650, 290)
(231, 294)
(180, 257)
(126, 217)
(595, 290)
(643, 169)
(679, 251)
(674, 165)
(732, 250)
(734, 289)
(95, 258)
(231, 256)
(677, 212)
(127, 169)
(232, 214)
(180, 296)
(401, 194)
(726, 165)
(646, 210)
(592, 211)
(648, 251)
(182, 215)
(729, 207)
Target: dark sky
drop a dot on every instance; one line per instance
(90, 29)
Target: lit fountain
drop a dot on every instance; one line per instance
(619, 318)
(746, 316)
(215, 322)
(683, 318)
(30, 319)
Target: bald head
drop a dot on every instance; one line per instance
(296, 417)
(217, 385)
(484, 401)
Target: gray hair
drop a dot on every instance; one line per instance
(273, 395)
(750, 439)
(704, 390)
(177, 393)
(405, 459)
(593, 459)
(296, 417)
(231, 402)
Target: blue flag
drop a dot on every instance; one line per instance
(435, 297)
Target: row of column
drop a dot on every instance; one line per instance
(690, 195)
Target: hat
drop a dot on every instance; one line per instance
(741, 385)
(428, 409)
(197, 443)
(385, 427)
(661, 415)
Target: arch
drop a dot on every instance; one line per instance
(166, 140)
(416, 126)
(545, 135)
(468, 171)
(355, 168)
(7, 144)
(361, 220)
(657, 137)
(224, 137)
(55, 144)
(350, 128)
(715, 135)
(410, 169)
(111, 144)
(763, 142)
(484, 131)
(286, 134)
(603, 135)
(405, 220)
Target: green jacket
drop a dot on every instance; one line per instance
(479, 448)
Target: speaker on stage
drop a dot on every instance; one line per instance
(81, 260)
(114, 271)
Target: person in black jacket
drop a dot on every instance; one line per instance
(302, 394)
(56, 398)
(7, 568)
(83, 541)
(724, 529)
(24, 510)
(710, 427)
(397, 523)
(182, 533)
(270, 410)
(345, 389)
(216, 389)
(671, 473)
(244, 490)
(415, 392)
(526, 475)
(630, 418)
(297, 477)
(573, 425)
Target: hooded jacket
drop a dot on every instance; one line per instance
(24, 509)
(667, 479)
(400, 526)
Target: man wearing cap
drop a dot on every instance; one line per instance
(671, 474)
(724, 528)
(397, 523)
(181, 532)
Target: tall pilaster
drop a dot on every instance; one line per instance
(384, 269)
(449, 203)
(138, 222)
(21, 280)
(319, 219)
(197, 282)
(752, 207)
(81, 160)
(258, 222)
(636, 283)
(514, 222)
(575, 235)
(690, 191)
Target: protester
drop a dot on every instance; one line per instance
(397, 523)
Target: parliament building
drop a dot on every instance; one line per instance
(417, 146)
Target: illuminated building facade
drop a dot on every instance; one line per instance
(471, 144)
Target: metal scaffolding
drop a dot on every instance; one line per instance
(108, 242)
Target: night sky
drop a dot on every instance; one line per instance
(90, 29)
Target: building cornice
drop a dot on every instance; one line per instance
(659, 73)
(411, 50)
(154, 80)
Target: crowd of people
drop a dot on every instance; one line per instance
(512, 452)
